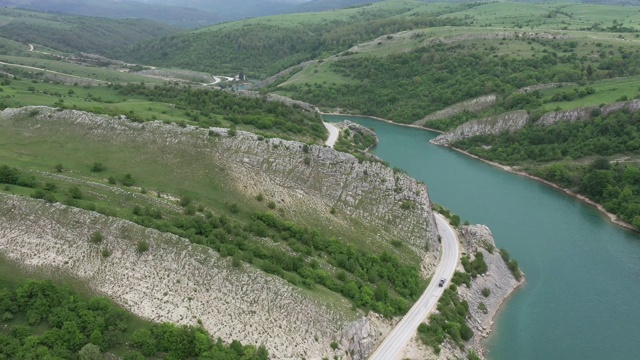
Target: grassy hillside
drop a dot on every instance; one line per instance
(264, 46)
(99, 164)
(75, 33)
(409, 75)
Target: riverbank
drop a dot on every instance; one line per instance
(612, 217)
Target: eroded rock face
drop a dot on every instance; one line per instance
(474, 105)
(278, 98)
(498, 279)
(510, 121)
(516, 120)
(174, 281)
(180, 282)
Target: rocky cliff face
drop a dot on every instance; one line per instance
(473, 105)
(180, 282)
(174, 281)
(510, 121)
(516, 120)
(587, 113)
(278, 98)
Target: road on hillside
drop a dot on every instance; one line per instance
(333, 134)
(391, 347)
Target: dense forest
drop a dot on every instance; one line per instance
(260, 50)
(42, 320)
(616, 186)
(406, 87)
(78, 34)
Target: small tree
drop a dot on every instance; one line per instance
(97, 167)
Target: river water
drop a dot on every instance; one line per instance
(582, 295)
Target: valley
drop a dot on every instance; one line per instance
(228, 205)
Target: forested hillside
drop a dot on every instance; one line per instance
(596, 157)
(262, 47)
(44, 320)
(76, 33)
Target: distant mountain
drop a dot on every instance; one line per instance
(323, 5)
(175, 15)
(228, 10)
(78, 33)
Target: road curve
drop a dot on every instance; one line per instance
(391, 347)
(333, 134)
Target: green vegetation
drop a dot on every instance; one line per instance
(474, 267)
(270, 118)
(448, 323)
(262, 47)
(511, 264)
(76, 33)
(44, 320)
(169, 103)
(616, 134)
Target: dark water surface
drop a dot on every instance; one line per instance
(582, 296)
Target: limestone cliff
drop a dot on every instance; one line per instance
(510, 121)
(180, 282)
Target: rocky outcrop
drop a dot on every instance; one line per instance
(278, 98)
(474, 105)
(174, 281)
(501, 35)
(532, 88)
(498, 279)
(510, 121)
(587, 113)
(180, 282)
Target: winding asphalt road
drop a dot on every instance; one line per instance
(391, 347)
(333, 134)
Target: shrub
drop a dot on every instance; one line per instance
(96, 237)
(486, 292)
(482, 307)
(128, 180)
(271, 204)
(307, 160)
(185, 201)
(49, 186)
(143, 246)
(58, 167)
(97, 167)
(106, 252)
(260, 197)
(111, 180)
(334, 345)
(75, 193)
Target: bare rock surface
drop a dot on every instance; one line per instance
(174, 281)
(510, 121)
(278, 98)
(473, 105)
(498, 280)
(179, 282)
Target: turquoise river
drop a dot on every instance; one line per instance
(582, 295)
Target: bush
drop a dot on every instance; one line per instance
(111, 180)
(307, 160)
(260, 197)
(334, 345)
(128, 180)
(185, 201)
(96, 237)
(511, 264)
(58, 168)
(97, 167)
(486, 292)
(271, 204)
(75, 193)
(143, 246)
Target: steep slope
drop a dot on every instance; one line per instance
(363, 204)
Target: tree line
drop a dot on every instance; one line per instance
(43, 320)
